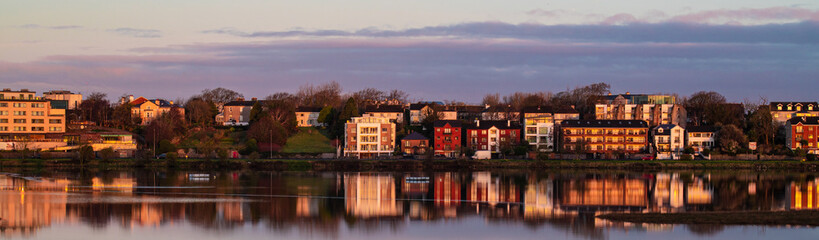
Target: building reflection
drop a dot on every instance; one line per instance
(322, 203)
(371, 195)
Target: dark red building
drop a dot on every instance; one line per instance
(492, 136)
(448, 138)
(802, 133)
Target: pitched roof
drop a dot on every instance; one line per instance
(415, 136)
(240, 103)
(537, 109)
(471, 109)
(804, 120)
(700, 129)
(384, 108)
(499, 124)
(308, 109)
(162, 102)
(605, 123)
(794, 103)
(565, 110)
(452, 123)
(666, 129)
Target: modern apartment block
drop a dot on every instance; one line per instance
(369, 137)
(23, 113)
(538, 128)
(655, 109)
(73, 99)
(783, 111)
(604, 136)
(668, 141)
(802, 133)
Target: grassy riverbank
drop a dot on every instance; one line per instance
(810, 218)
(413, 165)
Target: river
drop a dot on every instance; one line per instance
(401, 205)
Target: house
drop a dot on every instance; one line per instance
(668, 141)
(783, 111)
(538, 127)
(394, 112)
(497, 113)
(562, 113)
(22, 113)
(369, 137)
(148, 110)
(470, 113)
(73, 99)
(492, 136)
(236, 113)
(414, 144)
(700, 137)
(448, 138)
(419, 111)
(604, 136)
(802, 133)
(308, 116)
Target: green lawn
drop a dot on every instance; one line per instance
(308, 140)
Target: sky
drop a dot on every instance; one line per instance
(434, 50)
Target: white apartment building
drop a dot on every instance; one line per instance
(669, 141)
(369, 137)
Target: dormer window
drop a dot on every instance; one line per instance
(779, 107)
(789, 107)
(810, 107)
(798, 108)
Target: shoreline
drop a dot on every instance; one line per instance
(793, 217)
(411, 165)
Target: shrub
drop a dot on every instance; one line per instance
(688, 150)
(250, 146)
(84, 154)
(521, 150)
(810, 157)
(166, 146)
(44, 155)
(687, 157)
(107, 154)
(253, 156)
(170, 160)
(541, 156)
(222, 153)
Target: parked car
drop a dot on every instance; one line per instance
(648, 158)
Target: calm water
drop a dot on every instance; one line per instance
(401, 205)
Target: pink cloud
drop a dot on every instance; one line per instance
(754, 14)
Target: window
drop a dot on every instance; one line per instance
(4, 120)
(407, 143)
(4, 128)
(4, 113)
(447, 131)
(38, 105)
(19, 129)
(19, 105)
(799, 129)
(19, 113)
(19, 121)
(37, 120)
(55, 121)
(483, 131)
(3, 104)
(37, 129)
(37, 113)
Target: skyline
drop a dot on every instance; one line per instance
(460, 50)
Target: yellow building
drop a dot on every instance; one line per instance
(23, 113)
(148, 110)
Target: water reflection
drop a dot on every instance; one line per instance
(321, 203)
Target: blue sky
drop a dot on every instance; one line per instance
(435, 50)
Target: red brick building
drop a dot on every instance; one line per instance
(802, 133)
(492, 135)
(414, 144)
(448, 137)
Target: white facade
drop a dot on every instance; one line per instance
(701, 140)
(397, 117)
(669, 142)
(367, 137)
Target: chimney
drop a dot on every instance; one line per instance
(171, 102)
(156, 101)
(477, 123)
(508, 123)
(486, 106)
(240, 99)
(130, 98)
(253, 99)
